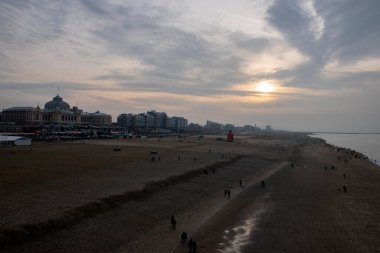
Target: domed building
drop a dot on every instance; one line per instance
(57, 104)
(55, 111)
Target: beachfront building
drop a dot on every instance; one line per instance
(55, 111)
(96, 118)
(177, 123)
(159, 119)
(212, 127)
(23, 114)
(152, 122)
(140, 121)
(126, 120)
(229, 127)
(195, 128)
(10, 141)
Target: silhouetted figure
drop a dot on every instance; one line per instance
(344, 189)
(183, 238)
(241, 184)
(292, 165)
(190, 245)
(262, 184)
(173, 222)
(222, 156)
(225, 193)
(179, 158)
(194, 248)
(229, 193)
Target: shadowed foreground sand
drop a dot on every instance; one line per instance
(99, 200)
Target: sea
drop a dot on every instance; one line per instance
(367, 144)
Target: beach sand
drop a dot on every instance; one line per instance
(303, 209)
(74, 197)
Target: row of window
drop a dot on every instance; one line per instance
(31, 116)
(6, 143)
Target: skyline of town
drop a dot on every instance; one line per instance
(117, 121)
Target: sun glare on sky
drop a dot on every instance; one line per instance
(264, 87)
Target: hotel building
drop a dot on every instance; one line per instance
(55, 111)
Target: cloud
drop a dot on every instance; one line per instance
(352, 28)
(344, 31)
(30, 24)
(168, 54)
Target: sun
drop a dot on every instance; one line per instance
(264, 87)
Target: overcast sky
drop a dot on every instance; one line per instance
(200, 59)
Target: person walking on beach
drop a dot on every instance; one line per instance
(229, 193)
(173, 222)
(190, 245)
(241, 183)
(183, 238)
(194, 248)
(225, 193)
(262, 184)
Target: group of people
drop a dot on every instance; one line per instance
(227, 193)
(332, 167)
(191, 244)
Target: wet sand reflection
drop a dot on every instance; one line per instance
(236, 238)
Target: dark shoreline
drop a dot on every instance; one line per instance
(373, 161)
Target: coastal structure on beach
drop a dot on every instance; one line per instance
(56, 111)
(230, 136)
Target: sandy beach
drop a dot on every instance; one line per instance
(87, 197)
